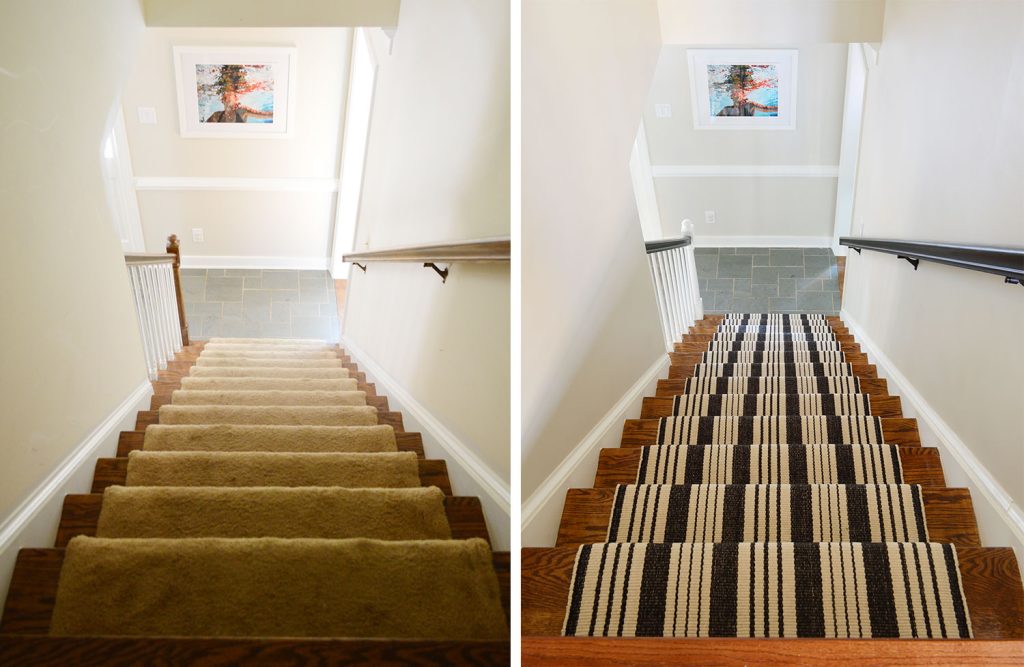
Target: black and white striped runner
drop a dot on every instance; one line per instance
(819, 330)
(767, 589)
(775, 346)
(767, 512)
(817, 319)
(783, 357)
(790, 337)
(763, 370)
(814, 430)
(770, 464)
(784, 384)
(756, 405)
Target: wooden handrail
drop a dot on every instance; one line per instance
(480, 250)
(1002, 261)
(174, 248)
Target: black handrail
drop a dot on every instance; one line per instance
(662, 245)
(1005, 262)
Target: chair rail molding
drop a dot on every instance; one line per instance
(745, 171)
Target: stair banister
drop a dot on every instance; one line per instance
(497, 249)
(156, 291)
(1007, 262)
(674, 272)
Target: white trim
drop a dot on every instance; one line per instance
(745, 171)
(33, 523)
(298, 184)
(964, 464)
(542, 510)
(462, 461)
(255, 262)
(762, 241)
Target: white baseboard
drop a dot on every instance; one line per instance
(242, 262)
(34, 522)
(468, 473)
(703, 241)
(542, 511)
(1000, 518)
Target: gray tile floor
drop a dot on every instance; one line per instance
(764, 280)
(258, 303)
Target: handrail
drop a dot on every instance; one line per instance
(479, 250)
(667, 244)
(497, 249)
(1002, 261)
(148, 258)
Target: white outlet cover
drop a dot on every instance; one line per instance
(710, 217)
(147, 115)
(197, 235)
(662, 110)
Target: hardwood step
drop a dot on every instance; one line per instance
(113, 472)
(681, 372)
(131, 440)
(949, 513)
(895, 431)
(33, 590)
(921, 465)
(873, 387)
(661, 406)
(125, 651)
(662, 652)
(81, 513)
(991, 583)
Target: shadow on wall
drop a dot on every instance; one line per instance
(762, 280)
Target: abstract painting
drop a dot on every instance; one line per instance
(743, 89)
(234, 91)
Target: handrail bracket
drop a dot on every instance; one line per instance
(443, 273)
(361, 266)
(913, 262)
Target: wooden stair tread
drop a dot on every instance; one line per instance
(113, 472)
(151, 417)
(33, 590)
(871, 386)
(991, 583)
(661, 406)
(81, 514)
(895, 431)
(921, 465)
(129, 441)
(949, 513)
(163, 397)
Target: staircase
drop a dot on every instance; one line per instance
(772, 489)
(268, 506)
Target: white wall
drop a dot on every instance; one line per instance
(590, 323)
(942, 160)
(70, 352)
(437, 170)
(273, 13)
(768, 205)
(770, 21)
(260, 222)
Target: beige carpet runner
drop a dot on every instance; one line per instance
(770, 506)
(269, 502)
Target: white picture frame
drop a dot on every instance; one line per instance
(708, 90)
(267, 109)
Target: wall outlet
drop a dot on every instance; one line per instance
(662, 110)
(710, 217)
(197, 235)
(147, 115)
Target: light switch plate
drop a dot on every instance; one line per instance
(197, 235)
(662, 110)
(710, 217)
(147, 115)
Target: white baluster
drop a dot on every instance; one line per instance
(659, 294)
(172, 308)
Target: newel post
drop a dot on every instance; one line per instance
(173, 248)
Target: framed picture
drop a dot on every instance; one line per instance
(743, 89)
(235, 92)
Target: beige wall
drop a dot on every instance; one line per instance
(250, 223)
(942, 159)
(770, 21)
(590, 324)
(437, 170)
(762, 206)
(71, 350)
(298, 13)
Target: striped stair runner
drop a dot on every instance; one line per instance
(769, 505)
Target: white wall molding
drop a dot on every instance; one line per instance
(468, 473)
(33, 523)
(255, 262)
(957, 457)
(745, 171)
(543, 509)
(217, 183)
(703, 241)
